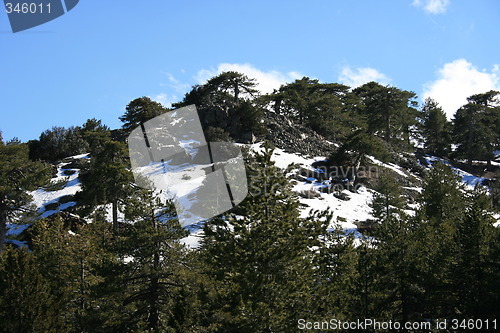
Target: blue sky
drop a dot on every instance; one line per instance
(91, 62)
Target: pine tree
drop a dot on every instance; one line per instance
(436, 129)
(396, 254)
(26, 301)
(388, 202)
(476, 127)
(389, 112)
(77, 267)
(225, 105)
(335, 276)
(95, 135)
(107, 179)
(152, 276)
(18, 175)
(355, 151)
(57, 143)
(261, 261)
(324, 107)
(365, 286)
(298, 99)
(477, 267)
(442, 210)
(139, 111)
(233, 83)
(442, 196)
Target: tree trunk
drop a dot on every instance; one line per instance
(3, 228)
(387, 136)
(114, 206)
(154, 318)
(277, 105)
(470, 140)
(355, 174)
(236, 92)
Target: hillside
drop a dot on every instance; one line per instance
(296, 146)
(359, 204)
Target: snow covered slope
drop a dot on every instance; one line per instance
(48, 201)
(348, 208)
(56, 197)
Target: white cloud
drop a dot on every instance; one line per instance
(176, 84)
(173, 88)
(458, 80)
(267, 81)
(359, 76)
(165, 99)
(432, 6)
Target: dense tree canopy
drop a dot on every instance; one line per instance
(106, 179)
(225, 108)
(476, 127)
(325, 107)
(429, 250)
(139, 111)
(389, 112)
(436, 129)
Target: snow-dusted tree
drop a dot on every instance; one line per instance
(107, 180)
(152, 278)
(18, 175)
(262, 260)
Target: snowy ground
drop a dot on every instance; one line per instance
(42, 197)
(469, 179)
(345, 212)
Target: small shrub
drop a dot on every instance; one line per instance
(52, 206)
(57, 185)
(77, 163)
(66, 198)
(309, 194)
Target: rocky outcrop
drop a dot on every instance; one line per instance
(294, 138)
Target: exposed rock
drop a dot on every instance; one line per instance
(309, 194)
(342, 196)
(66, 198)
(52, 206)
(69, 172)
(294, 138)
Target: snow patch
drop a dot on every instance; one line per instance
(467, 178)
(42, 197)
(393, 167)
